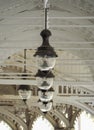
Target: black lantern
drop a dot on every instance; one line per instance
(24, 92)
(45, 95)
(44, 79)
(45, 106)
(45, 54)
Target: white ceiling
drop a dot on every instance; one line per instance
(71, 24)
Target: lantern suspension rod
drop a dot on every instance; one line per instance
(46, 9)
(24, 60)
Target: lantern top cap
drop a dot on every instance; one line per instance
(44, 74)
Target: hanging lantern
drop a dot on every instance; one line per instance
(45, 54)
(45, 95)
(44, 79)
(45, 58)
(45, 106)
(24, 92)
(45, 85)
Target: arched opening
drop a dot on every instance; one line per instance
(4, 126)
(84, 122)
(42, 123)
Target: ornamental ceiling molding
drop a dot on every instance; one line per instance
(13, 117)
(8, 120)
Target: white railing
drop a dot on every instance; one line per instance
(72, 91)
